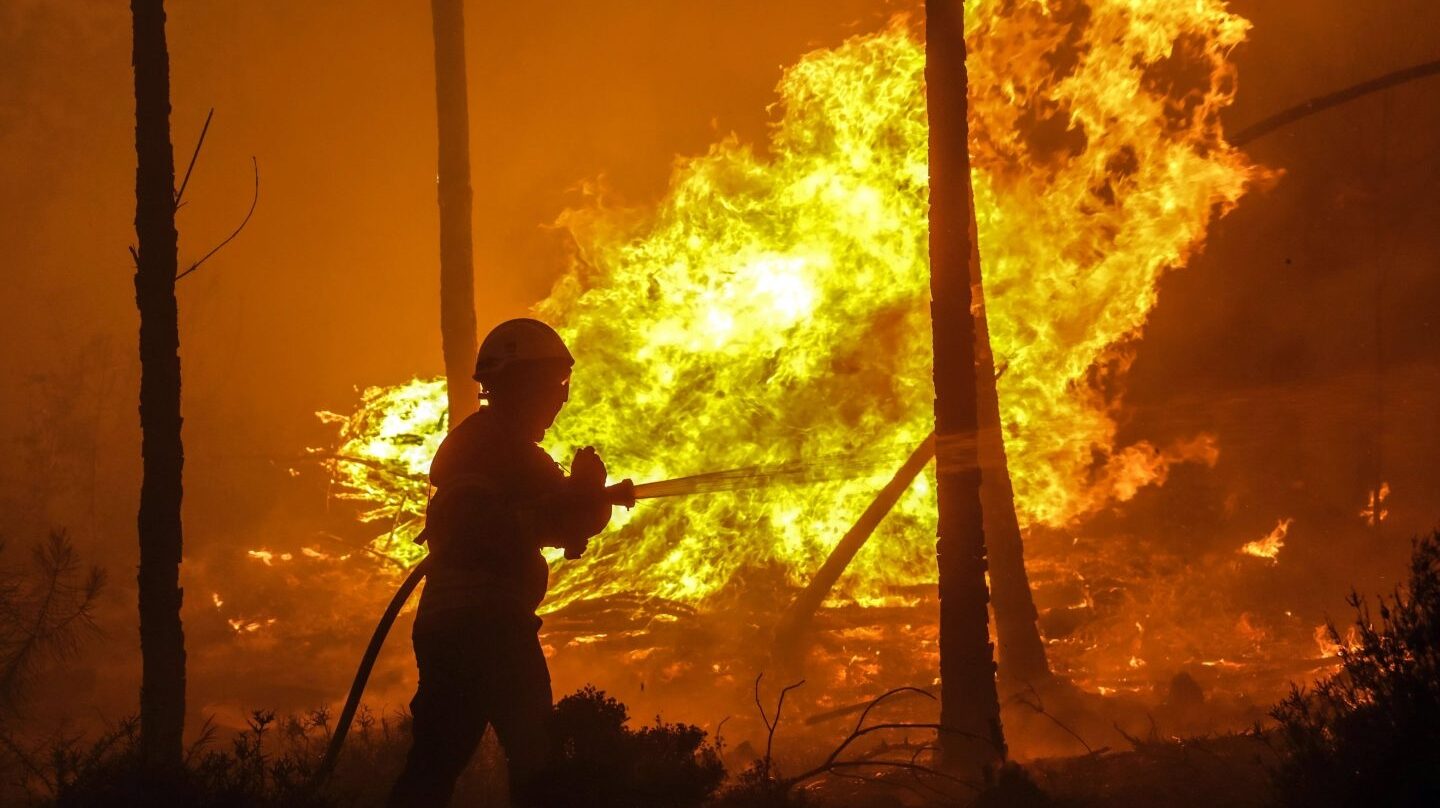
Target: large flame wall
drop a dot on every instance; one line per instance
(773, 306)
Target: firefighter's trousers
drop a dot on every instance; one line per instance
(476, 670)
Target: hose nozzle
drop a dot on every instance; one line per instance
(621, 493)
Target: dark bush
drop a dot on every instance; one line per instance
(759, 787)
(255, 770)
(1370, 734)
(271, 763)
(1014, 788)
(602, 763)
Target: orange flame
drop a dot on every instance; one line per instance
(1375, 511)
(1270, 546)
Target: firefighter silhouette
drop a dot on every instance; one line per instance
(499, 499)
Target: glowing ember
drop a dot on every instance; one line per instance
(1330, 643)
(774, 308)
(1375, 511)
(1270, 546)
(268, 558)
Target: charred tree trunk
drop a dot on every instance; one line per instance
(969, 705)
(162, 640)
(1021, 652)
(457, 274)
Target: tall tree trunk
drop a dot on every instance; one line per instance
(969, 706)
(162, 640)
(457, 274)
(1021, 652)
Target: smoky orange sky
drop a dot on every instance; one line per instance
(1267, 339)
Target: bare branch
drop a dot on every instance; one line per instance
(1134, 741)
(878, 781)
(883, 696)
(193, 157)
(365, 461)
(860, 733)
(254, 200)
(780, 705)
(1039, 706)
(761, 707)
(889, 764)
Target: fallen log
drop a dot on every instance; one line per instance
(788, 647)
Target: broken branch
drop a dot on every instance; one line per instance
(254, 200)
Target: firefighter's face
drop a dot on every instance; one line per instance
(535, 397)
(550, 396)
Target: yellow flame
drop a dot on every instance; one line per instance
(1271, 544)
(773, 306)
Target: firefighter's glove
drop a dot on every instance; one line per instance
(588, 470)
(587, 480)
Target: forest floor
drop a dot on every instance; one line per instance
(1201, 772)
(1229, 770)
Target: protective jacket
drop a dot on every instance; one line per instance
(499, 498)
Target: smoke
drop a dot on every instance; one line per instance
(1304, 337)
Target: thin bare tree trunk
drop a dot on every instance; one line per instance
(1021, 651)
(457, 273)
(162, 640)
(969, 705)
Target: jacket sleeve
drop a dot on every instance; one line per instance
(473, 522)
(566, 516)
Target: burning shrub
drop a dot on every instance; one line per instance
(601, 762)
(1370, 734)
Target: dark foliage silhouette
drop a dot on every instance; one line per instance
(601, 762)
(46, 609)
(1370, 734)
